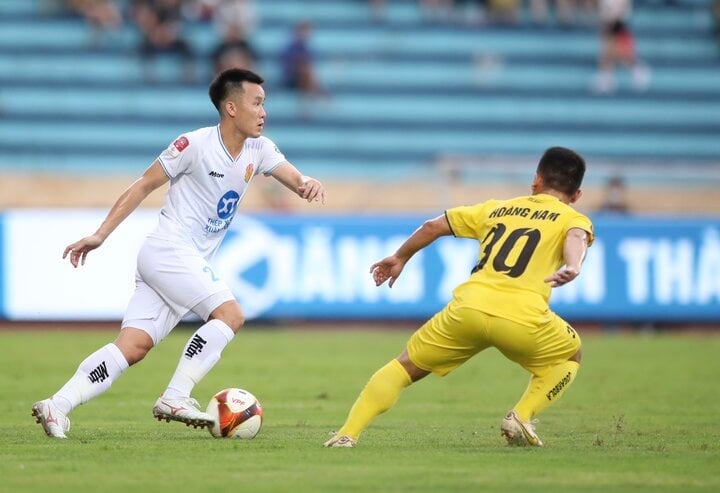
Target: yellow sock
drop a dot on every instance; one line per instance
(546, 388)
(380, 394)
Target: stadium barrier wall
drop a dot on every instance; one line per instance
(317, 267)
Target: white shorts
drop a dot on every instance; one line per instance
(171, 281)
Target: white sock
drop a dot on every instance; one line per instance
(198, 357)
(94, 376)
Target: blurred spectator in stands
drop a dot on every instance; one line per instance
(614, 199)
(160, 24)
(235, 21)
(238, 15)
(234, 51)
(297, 63)
(503, 11)
(618, 47)
(471, 12)
(101, 16)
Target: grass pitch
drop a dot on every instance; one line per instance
(642, 416)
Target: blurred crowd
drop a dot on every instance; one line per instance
(564, 13)
(162, 23)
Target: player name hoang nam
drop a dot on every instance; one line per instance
(524, 212)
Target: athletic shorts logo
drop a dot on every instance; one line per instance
(249, 171)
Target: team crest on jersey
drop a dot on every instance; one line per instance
(249, 172)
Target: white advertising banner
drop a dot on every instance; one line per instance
(40, 285)
(286, 266)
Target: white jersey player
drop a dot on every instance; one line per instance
(209, 170)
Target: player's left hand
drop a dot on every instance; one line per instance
(563, 276)
(311, 189)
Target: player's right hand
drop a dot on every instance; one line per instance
(79, 250)
(388, 268)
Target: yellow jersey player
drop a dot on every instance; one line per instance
(527, 246)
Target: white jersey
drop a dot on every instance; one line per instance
(207, 186)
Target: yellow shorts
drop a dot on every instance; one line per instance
(457, 333)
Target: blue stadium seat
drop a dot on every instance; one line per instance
(403, 91)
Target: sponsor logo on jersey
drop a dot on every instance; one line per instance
(215, 174)
(249, 171)
(226, 207)
(227, 204)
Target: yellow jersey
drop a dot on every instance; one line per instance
(521, 243)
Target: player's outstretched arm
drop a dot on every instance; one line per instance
(574, 250)
(391, 267)
(306, 187)
(153, 178)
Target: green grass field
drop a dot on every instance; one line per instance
(642, 416)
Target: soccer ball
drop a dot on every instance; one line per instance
(237, 414)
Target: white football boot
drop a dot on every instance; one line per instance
(183, 409)
(519, 432)
(54, 422)
(341, 441)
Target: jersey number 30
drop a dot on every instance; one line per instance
(531, 239)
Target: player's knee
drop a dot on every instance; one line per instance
(231, 314)
(136, 354)
(133, 351)
(412, 370)
(134, 344)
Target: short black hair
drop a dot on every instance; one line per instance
(562, 169)
(229, 80)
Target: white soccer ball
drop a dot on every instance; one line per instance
(237, 414)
